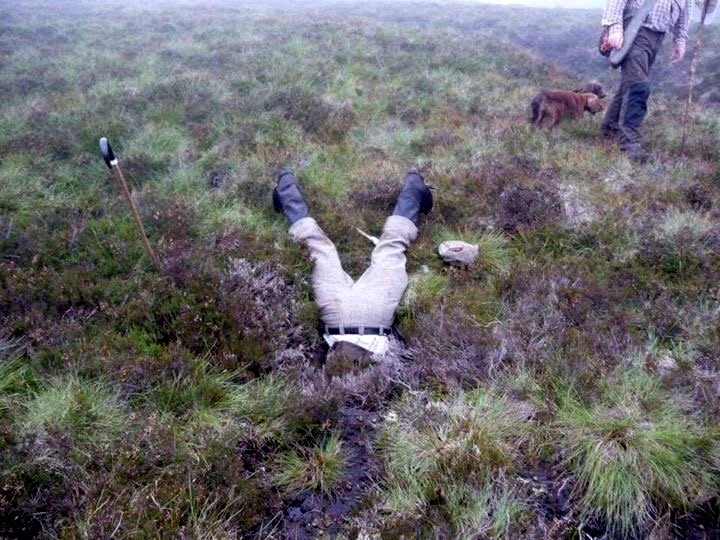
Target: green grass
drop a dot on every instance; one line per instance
(634, 447)
(320, 467)
(17, 378)
(564, 384)
(456, 459)
(87, 410)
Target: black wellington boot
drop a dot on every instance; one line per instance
(415, 197)
(287, 197)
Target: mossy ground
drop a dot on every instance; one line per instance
(565, 385)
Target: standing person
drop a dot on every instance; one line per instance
(359, 313)
(627, 110)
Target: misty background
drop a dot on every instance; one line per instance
(579, 4)
(559, 4)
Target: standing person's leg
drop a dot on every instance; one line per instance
(636, 90)
(610, 125)
(329, 281)
(376, 295)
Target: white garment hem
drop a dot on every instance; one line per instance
(372, 343)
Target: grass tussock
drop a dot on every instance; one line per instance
(632, 448)
(320, 467)
(86, 410)
(453, 461)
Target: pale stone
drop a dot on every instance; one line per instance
(458, 253)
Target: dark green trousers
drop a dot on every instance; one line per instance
(628, 107)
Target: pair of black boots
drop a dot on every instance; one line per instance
(415, 197)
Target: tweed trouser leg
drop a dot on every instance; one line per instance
(372, 299)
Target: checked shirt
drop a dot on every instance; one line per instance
(665, 16)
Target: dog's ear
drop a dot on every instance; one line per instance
(593, 88)
(593, 104)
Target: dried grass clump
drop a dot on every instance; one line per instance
(262, 307)
(563, 325)
(455, 349)
(441, 138)
(366, 387)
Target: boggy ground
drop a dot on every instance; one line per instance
(312, 514)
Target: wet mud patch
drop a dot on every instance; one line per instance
(310, 515)
(702, 524)
(18, 524)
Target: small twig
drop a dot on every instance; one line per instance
(373, 239)
(117, 527)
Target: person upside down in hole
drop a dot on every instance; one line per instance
(357, 315)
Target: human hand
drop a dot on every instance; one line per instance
(615, 36)
(678, 53)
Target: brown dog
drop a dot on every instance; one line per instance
(556, 103)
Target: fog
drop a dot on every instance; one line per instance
(299, 4)
(579, 4)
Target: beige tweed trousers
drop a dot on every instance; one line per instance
(372, 299)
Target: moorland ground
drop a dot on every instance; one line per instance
(564, 386)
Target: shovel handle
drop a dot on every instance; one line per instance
(107, 153)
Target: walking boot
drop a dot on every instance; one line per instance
(635, 152)
(609, 131)
(287, 197)
(415, 197)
